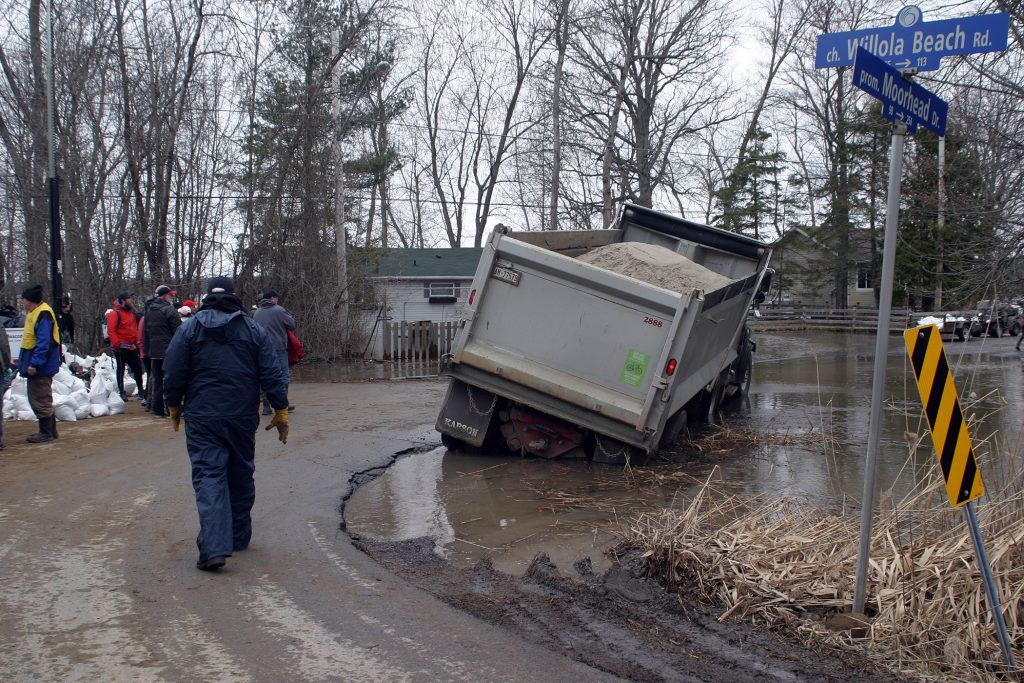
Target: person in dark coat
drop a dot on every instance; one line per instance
(215, 368)
(162, 321)
(39, 360)
(67, 321)
(5, 363)
(273, 317)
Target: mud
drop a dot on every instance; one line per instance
(619, 621)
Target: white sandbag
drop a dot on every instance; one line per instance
(19, 387)
(82, 412)
(65, 413)
(58, 389)
(20, 404)
(80, 399)
(115, 404)
(25, 415)
(99, 409)
(78, 385)
(8, 406)
(63, 377)
(129, 386)
(61, 399)
(98, 391)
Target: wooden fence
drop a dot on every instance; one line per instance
(855, 319)
(418, 341)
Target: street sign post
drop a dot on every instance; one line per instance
(902, 101)
(911, 43)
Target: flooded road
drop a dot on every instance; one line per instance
(809, 403)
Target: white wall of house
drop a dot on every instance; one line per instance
(406, 299)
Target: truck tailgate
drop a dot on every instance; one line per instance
(590, 337)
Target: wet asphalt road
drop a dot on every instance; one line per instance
(97, 553)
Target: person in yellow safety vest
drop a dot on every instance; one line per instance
(39, 360)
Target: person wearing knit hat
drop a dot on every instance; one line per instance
(39, 360)
(162, 321)
(277, 322)
(123, 331)
(215, 367)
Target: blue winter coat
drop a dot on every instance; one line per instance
(45, 355)
(219, 360)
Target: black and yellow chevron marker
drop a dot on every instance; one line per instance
(945, 417)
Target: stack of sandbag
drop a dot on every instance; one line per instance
(72, 399)
(16, 406)
(70, 396)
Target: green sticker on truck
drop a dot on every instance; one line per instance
(635, 368)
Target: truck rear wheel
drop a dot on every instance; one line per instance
(743, 371)
(675, 426)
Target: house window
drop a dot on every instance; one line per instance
(440, 292)
(865, 277)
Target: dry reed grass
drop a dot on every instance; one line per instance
(786, 565)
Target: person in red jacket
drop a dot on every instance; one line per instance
(123, 329)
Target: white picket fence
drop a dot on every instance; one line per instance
(418, 341)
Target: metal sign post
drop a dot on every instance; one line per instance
(990, 584)
(953, 449)
(892, 213)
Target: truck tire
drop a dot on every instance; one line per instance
(675, 426)
(994, 329)
(744, 370)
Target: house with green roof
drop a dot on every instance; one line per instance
(419, 285)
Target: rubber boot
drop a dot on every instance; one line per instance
(53, 426)
(43, 435)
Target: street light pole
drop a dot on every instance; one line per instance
(53, 182)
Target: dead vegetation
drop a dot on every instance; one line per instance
(784, 564)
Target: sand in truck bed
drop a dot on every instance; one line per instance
(655, 265)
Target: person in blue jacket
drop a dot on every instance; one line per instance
(215, 366)
(39, 360)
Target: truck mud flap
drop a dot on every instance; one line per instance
(467, 413)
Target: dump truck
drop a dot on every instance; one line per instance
(559, 357)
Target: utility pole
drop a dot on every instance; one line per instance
(341, 248)
(941, 222)
(53, 182)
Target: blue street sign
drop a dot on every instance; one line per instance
(902, 100)
(911, 43)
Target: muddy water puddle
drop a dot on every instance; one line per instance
(809, 402)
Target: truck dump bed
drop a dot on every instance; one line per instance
(597, 348)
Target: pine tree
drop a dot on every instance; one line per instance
(966, 243)
(752, 199)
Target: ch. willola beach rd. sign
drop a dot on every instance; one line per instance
(902, 100)
(911, 43)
